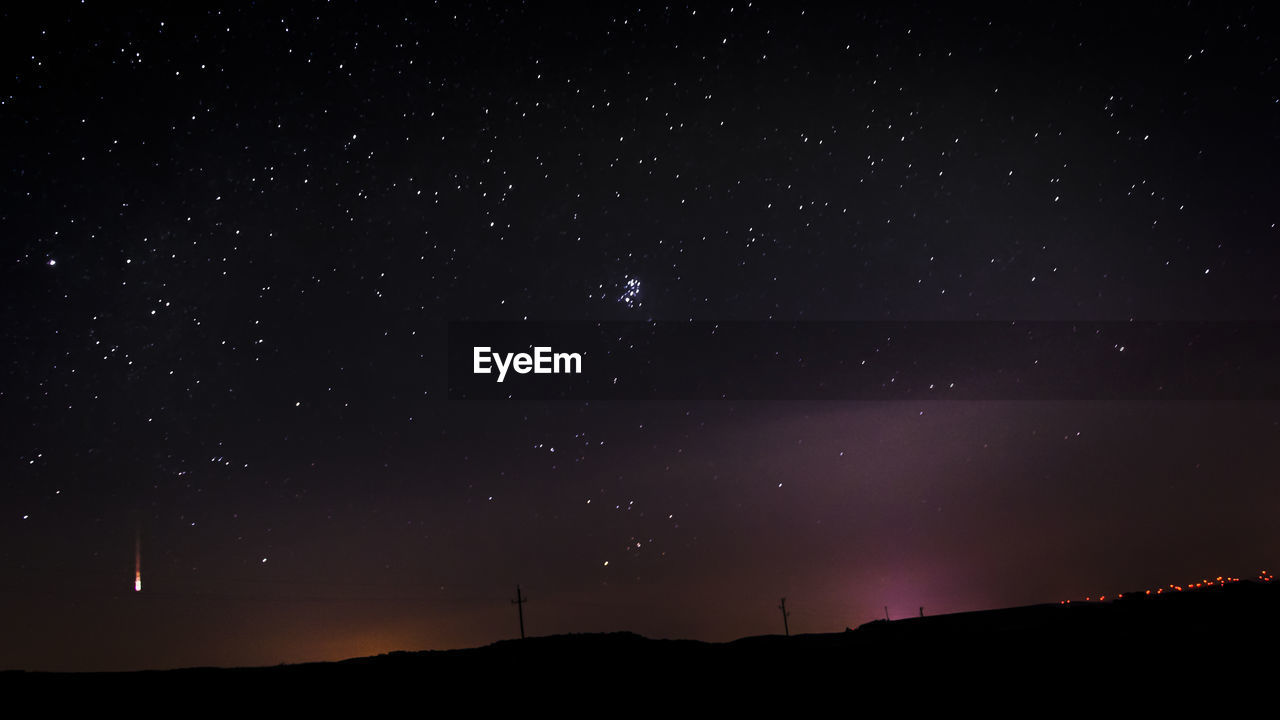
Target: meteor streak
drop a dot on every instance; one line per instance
(137, 562)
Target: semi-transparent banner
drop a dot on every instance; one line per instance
(864, 361)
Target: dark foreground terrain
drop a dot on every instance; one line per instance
(1171, 643)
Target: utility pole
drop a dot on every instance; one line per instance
(783, 607)
(886, 612)
(519, 603)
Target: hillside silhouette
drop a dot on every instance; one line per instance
(1197, 630)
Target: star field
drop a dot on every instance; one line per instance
(234, 237)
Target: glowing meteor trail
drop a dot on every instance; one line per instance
(137, 562)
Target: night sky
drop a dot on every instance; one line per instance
(233, 239)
